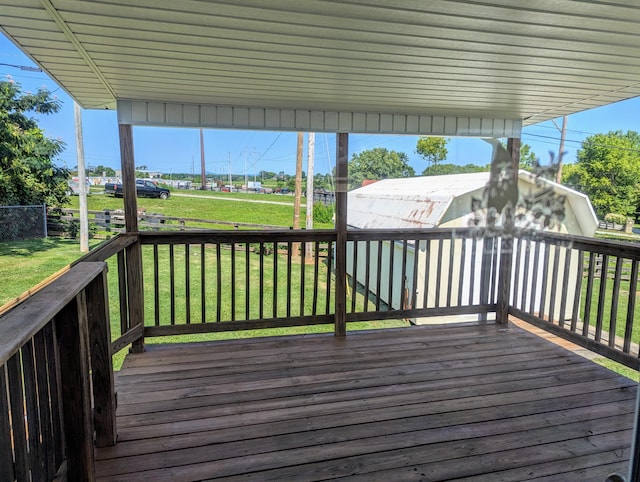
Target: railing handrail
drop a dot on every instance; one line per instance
(22, 322)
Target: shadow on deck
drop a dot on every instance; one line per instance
(425, 403)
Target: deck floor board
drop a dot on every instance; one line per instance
(468, 402)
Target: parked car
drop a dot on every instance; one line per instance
(144, 188)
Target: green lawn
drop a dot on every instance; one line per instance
(212, 206)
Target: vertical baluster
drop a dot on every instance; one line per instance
(6, 441)
(36, 452)
(414, 281)
(614, 303)
(554, 282)
(261, 280)
(494, 269)
(392, 252)
(601, 296)
(122, 293)
(534, 277)
(303, 257)
(218, 282)
(462, 262)
(44, 403)
(578, 291)
(427, 261)
(439, 272)
(316, 274)
(156, 286)
(203, 283)
(289, 280)
(631, 306)
(403, 281)
(565, 285)
(55, 393)
(172, 283)
(275, 280)
(586, 319)
(545, 275)
(247, 275)
(187, 282)
(452, 249)
(379, 277)
(526, 285)
(472, 275)
(232, 287)
(329, 270)
(515, 282)
(16, 401)
(354, 275)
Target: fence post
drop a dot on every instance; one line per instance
(73, 338)
(504, 280)
(44, 219)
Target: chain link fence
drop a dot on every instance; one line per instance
(23, 222)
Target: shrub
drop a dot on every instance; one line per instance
(615, 218)
(322, 213)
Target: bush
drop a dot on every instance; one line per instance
(615, 218)
(322, 213)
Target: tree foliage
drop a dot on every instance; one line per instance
(608, 171)
(527, 157)
(443, 169)
(432, 149)
(378, 163)
(101, 170)
(28, 174)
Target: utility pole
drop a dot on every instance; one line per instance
(203, 183)
(230, 181)
(82, 185)
(563, 133)
(298, 190)
(310, 197)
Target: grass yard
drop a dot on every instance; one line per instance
(212, 206)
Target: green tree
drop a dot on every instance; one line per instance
(608, 171)
(101, 170)
(443, 169)
(378, 163)
(28, 174)
(527, 157)
(432, 149)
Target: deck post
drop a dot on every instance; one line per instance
(101, 361)
(506, 243)
(135, 296)
(73, 352)
(342, 151)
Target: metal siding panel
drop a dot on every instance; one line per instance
(174, 114)
(139, 113)
(486, 127)
(386, 123)
(474, 126)
(373, 123)
(451, 126)
(240, 117)
(426, 122)
(399, 123)
(438, 125)
(156, 112)
(302, 119)
(316, 121)
(209, 115)
(191, 114)
(412, 124)
(287, 119)
(125, 112)
(331, 121)
(225, 116)
(256, 117)
(463, 126)
(359, 122)
(345, 122)
(272, 118)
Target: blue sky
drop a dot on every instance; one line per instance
(177, 150)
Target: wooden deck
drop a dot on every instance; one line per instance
(420, 403)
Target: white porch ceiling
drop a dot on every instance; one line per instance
(510, 62)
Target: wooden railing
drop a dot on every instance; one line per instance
(582, 289)
(55, 365)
